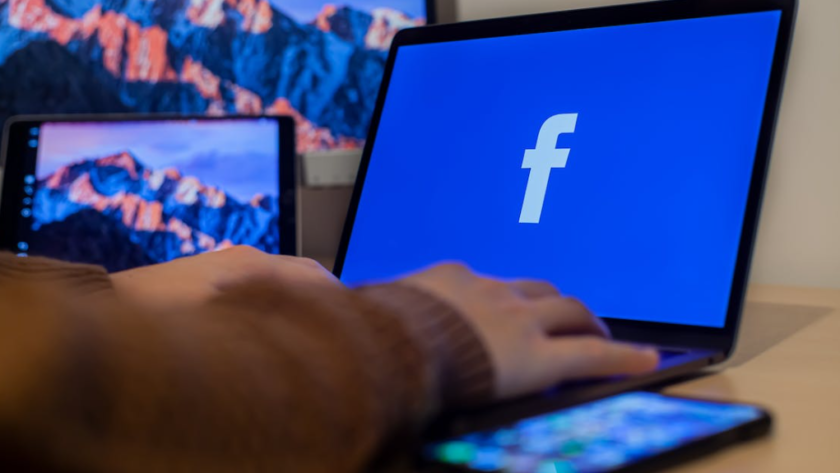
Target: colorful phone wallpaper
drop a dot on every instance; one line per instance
(129, 194)
(598, 437)
(320, 63)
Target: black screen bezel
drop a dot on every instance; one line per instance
(720, 339)
(697, 448)
(15, 137)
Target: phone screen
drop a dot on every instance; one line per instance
(601, 436)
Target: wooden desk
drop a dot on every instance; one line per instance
(798, 379)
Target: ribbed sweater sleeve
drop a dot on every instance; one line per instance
(81, 279)
(293, 378)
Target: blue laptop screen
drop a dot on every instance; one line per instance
(614, 162)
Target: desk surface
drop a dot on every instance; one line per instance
(798, 379)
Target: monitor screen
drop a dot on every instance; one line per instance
(125, 194)
(614, 162)
(320, 63)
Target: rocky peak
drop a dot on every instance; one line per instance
(123, 160)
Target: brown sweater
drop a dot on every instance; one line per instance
(263, 378)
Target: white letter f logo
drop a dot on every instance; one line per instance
(541, 160)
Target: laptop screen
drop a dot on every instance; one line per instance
(613, 162)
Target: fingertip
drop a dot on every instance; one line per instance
(646, 360)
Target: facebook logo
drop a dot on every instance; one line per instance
(541, 160)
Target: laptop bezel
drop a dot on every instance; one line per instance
(687, 336)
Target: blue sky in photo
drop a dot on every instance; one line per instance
(239, 157)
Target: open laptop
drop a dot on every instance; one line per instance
(619, 153)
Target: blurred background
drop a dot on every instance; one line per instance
(799, 236)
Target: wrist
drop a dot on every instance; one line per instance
(460, 361)
(80, 279)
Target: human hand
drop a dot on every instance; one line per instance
(535, 337)
(196, 279)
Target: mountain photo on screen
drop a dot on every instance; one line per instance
(130, 194)
(320, 63)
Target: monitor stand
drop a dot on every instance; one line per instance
(330, 168)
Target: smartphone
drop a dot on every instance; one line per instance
(637, 431)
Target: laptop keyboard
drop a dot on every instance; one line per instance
(667, 353)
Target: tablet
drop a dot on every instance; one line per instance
(130, 191)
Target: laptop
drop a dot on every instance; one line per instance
(619, 153)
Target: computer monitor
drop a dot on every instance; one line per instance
(318, 62)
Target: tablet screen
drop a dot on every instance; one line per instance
(124, 194)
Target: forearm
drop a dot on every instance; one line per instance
(303, 379)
